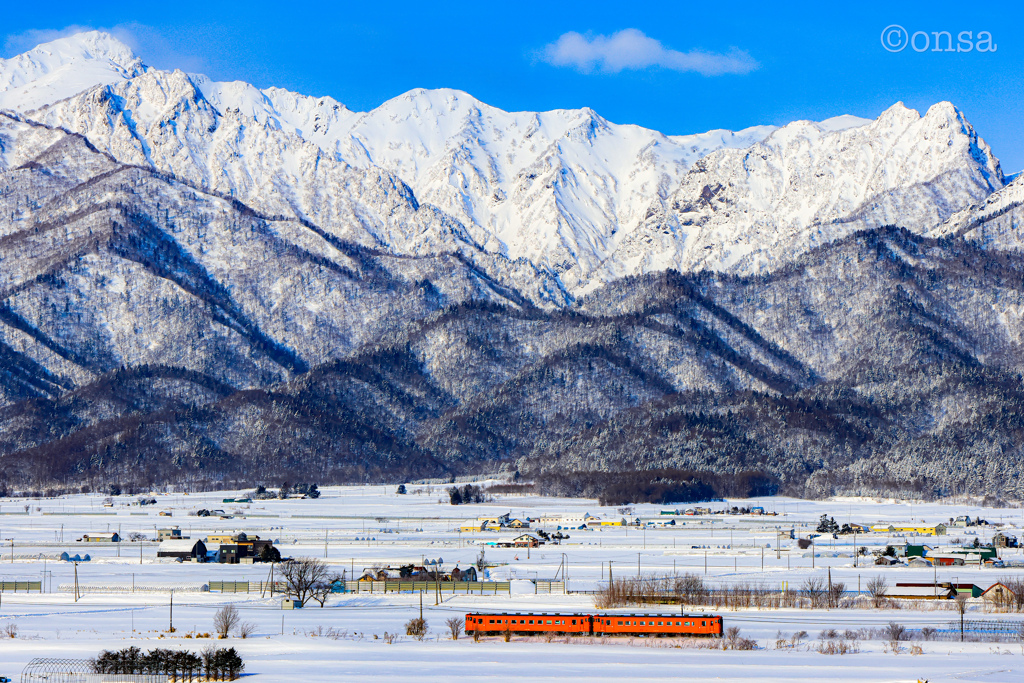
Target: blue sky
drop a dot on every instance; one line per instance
(679, 67)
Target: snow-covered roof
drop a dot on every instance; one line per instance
(177, 545)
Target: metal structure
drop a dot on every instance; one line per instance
(56, 670)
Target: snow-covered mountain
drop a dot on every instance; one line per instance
(63, 68)
(207, 279)
(572, 194)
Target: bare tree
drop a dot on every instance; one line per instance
(455, 626)
(225, 620)
(815, 590)
(835, 593)
(1014, 595)
(895, 633)
(245, 629)
(960, 605)
(304, 577)
(323, 589)
(878, 588)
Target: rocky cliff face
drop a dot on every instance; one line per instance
(205, 280)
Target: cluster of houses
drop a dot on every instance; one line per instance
(920, 555)
(224, 548)
(558, 522)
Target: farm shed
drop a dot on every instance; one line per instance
(182, 549)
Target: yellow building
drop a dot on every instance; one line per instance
(474, 526)
(937, 530)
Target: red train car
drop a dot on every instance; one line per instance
(658, 625)
(525, 624)
(595, 624)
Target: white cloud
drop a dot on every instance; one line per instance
(631, 49)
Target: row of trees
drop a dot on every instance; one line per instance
(213, 664)
(466, 494)
(302, 489)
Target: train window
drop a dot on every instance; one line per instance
(573, 622)
(620, 623)
(703, 623)
(549, 621)
(531, 621)
(661, 623)
(492, 621)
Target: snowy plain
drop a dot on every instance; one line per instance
(126, 591)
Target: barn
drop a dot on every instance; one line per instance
(186, 550)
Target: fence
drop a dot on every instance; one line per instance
(541, 586)
(248, 586)
(27, 586)
(129, 588)
(996, 626)
(453, 587)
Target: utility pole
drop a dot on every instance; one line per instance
(170, 628)
(77, 595)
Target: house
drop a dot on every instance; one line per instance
(947, 560)
(184, 549)
(999, 595)
(963, 521)
(104, 537)
(886, 561)
(975, 555)
(473, 526)
(518, 524)
(922, 591)
(917, 561)
(245, 550)
(1001, 540)
(222, 537)
(613, 522)
(525, 541)
(574, 521)
(757, 510)
(915, 550)
(968, 589)
(467, 574)
(169, 534)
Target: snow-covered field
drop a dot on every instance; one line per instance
(358, 527)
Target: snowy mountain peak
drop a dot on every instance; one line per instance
(64, 67)
(575, 196)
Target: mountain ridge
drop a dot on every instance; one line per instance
(205, 282)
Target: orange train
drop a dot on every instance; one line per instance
(596, 624)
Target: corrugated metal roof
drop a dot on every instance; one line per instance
(177, 545)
